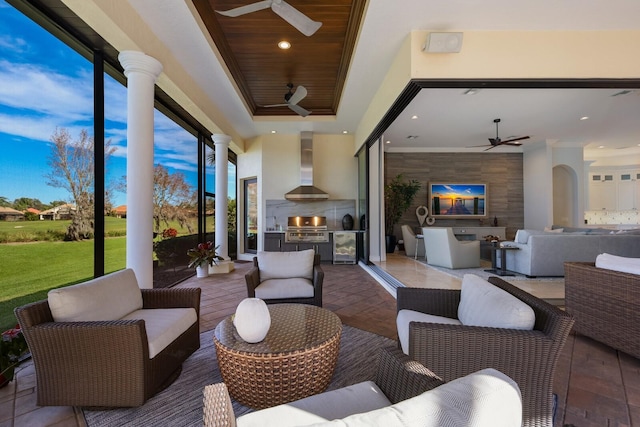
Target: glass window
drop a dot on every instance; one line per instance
(251, 215)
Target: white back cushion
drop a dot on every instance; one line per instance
(618, 263)
(283, 265)
(109, 297)
(405, 317)
(483, 304)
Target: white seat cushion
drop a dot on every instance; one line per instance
(483, 304)
(108, 297)
(295, 287)
(340, 403)
(407, 316)
(282, 265)
(163, 325)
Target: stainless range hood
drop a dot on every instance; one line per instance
(306, 191)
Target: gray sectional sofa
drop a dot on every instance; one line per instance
(543, 253)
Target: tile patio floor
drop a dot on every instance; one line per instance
(596, 385)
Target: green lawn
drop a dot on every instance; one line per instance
(29, 270)
(28, 231)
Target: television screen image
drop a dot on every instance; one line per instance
(457, 200)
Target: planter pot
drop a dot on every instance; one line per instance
(390, 242)
(6, 377)
(202, 270)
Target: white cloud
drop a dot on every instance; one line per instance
(36, 128)
(38, 90)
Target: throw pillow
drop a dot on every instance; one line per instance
(553, 230)
(483, 304)
(618, 263)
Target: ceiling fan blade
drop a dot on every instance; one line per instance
(299, 110)
(298, 95)
(243, 10)
(492, 147)
(515, 139)
(294, 17)
(478, 146)
(275, 105)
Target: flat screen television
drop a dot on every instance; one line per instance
(457, 200)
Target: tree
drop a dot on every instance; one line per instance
(72, 168)
(171, 195)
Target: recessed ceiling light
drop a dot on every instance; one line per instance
(273, 131)
(412, 137)
(584, 118)
(345, 131)
(388, 142)
(414, 117)
(284, 44)
(602, 146)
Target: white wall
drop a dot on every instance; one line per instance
(538, 187)
(573, 160)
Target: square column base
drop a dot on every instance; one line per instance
(226, 266)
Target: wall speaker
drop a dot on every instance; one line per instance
(443, 43)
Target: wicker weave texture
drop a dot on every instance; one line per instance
(296, 359)
(605, 305)
(528, 357)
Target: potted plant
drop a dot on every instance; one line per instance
(202, 256)
(12, 347)
(398, 196)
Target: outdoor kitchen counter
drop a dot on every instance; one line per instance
(274, 242)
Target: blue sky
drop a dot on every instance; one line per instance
(45, 85)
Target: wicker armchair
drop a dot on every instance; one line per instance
(605, 305)
(316, 274)
(453, 351)
(105, 363)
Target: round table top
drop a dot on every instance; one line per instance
(294, 327)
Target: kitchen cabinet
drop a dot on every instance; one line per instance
(274, 242)
(628, 190)
(602, 192)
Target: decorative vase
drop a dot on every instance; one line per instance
(347, 222)
(495, 221)
(252, 320)
(202, 270)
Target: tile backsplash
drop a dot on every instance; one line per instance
(621, 218)
(277, 212)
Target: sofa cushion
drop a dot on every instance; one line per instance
(282, 265)
(618, 263)
(405, 317)
(484, 398)
(340, 403)
(295, 287)
(163, 325)
(108, 297)
(483, 304)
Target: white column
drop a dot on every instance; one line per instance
(221, 143)
(141, 72)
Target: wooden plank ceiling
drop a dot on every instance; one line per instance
(249, 46)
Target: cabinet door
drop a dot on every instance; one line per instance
(273, 242)
(602, 192)
(628, 191)
(326, 250)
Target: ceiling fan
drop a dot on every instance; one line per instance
(287, 12)
(292, 98)
(497, 141)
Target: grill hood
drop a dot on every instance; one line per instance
(306, 191)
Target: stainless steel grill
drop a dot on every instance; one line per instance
(312, 229)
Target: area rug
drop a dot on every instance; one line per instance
(181, 403)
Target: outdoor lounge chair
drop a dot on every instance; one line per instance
(452, 350)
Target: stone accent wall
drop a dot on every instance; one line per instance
(501, 172)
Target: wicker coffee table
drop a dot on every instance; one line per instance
(295, 360)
